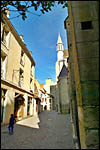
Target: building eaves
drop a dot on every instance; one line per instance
(66, 20)
(21, 43)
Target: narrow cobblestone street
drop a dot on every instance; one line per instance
(50, 131)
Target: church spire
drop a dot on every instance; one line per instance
(59, 39)
(60, 46)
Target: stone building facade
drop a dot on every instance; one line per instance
(53, 94)
(63, 91)
(82, 26)
(43, 99)
(50, 94)
(17, 75)
(61, 97)
(62, 55)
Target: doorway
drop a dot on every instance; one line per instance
(19, 106)
(45, 107)
(28, 106)
(3, 93)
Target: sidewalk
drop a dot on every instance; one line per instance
(30, 122)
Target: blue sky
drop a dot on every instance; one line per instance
(40, 37)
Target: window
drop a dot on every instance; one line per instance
(67, 59)
(86, 25)
(42, 100)
(31, 89)
(59, 47)
(22, 58)
(31, 69)
(21, 73)
(28, 106)
(21, 77)
(70, 45)
(50, 100)
(22, 53)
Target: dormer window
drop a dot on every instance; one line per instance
(5, 36)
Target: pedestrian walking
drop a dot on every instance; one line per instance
(11, 124)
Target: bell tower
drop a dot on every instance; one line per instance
(60, 55)
(60, 48)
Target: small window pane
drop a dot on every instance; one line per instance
(86, 25)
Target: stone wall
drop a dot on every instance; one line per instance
(53, 93)
(82, 30)
(63, 95)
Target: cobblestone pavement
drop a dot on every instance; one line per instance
(50, 131)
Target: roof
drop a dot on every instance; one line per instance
(64, 72)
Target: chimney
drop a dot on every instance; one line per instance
(7, 11)
(30, 52)
(22, 37)
(41, 85)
